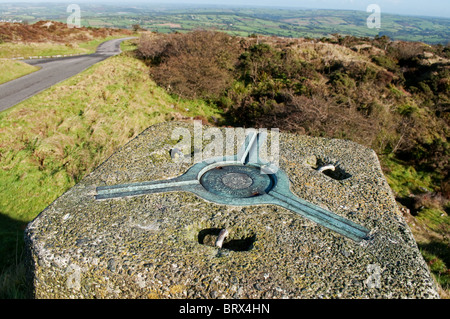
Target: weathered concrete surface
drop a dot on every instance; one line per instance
(149, 246)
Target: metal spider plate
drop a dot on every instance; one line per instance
(240, 180)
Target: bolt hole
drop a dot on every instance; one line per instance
(333, 170)
(209, 236)
(243, 244)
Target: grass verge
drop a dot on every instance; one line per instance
(14, 69)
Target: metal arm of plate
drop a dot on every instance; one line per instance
(321, 216)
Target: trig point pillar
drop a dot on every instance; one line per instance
(189, 211)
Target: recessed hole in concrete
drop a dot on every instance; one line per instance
(331, 169)
(243, 244)
(209, 236)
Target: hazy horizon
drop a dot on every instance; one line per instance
(433, 8)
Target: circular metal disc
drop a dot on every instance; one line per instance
(236, 181)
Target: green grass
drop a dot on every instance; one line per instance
(129, 45)
(26, 50)
(435, 219)
(14, 69)
(437, 256)
(405, 180)
(244, 21)
(431, 224)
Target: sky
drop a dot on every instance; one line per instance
(437, 8)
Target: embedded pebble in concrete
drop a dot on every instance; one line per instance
(162, 245)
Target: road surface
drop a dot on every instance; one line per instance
(53, 71)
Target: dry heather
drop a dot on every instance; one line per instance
(51, 31)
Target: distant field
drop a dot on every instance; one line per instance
(287, 23)
(240, 21)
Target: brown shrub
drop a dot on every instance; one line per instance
(314, 116)
(195, 64)
(152, 45)
(406, 50)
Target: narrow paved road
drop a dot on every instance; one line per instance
(53, 71)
